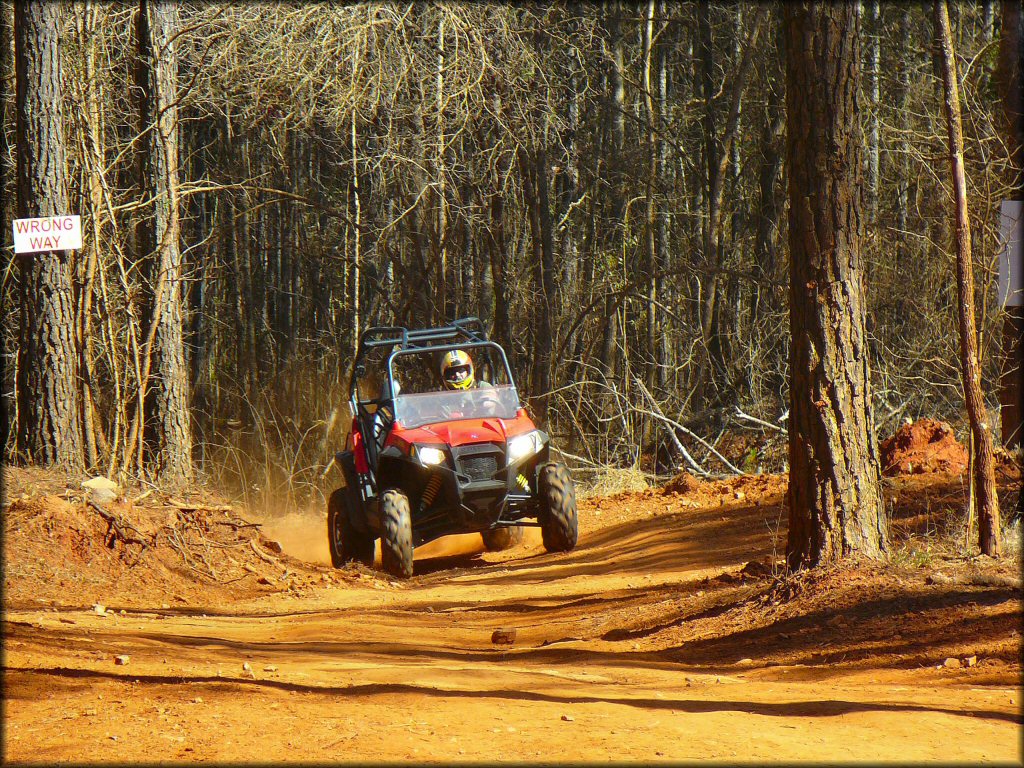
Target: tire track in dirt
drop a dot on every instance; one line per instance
(647, 642)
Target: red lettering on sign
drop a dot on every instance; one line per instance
(45, 243)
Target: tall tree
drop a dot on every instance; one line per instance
(835, 501)
(716, 158)
(984, 498)
(873, 57)
(770, 204)
(535, 191)
(1011, 62)
(5, 45)
(902, 144)
(7, 404)
(49, 400)
(168, 430)
(616, 106)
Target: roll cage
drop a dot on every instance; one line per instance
(466, 333)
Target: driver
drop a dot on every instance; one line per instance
(457, 371)
(458, 376)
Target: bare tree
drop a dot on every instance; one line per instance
(835, 501)
(168, 430)
(49, 398)
(8, 404)
(984, 497)
(1010, 84)
(873, 57)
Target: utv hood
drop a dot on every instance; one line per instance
(468, 431)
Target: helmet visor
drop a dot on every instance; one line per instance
(457, 373)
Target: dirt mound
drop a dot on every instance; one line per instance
(1008, 465)
(757, 487)
(134, 555)
(924, 446)
(685, 483)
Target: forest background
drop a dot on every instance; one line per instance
(604, 185)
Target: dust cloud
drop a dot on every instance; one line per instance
(303, 535)
(446, 546)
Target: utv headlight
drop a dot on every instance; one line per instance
(523, 446)
(429, 456)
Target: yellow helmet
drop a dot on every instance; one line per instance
(457, 370)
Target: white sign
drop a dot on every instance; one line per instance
(1011, 259)
(51, 233)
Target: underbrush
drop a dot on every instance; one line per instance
(1011, 543)
(957, 539)
(607, 481)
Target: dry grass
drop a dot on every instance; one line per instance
(1011, 542)
(955, 539)
(607, 481)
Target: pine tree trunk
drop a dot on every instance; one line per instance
(650, 208)
(8, 394)
(770, 204)
(534, 170)
(835, 502)
(616, 106)
(985, 498)
(89, 35)
(902, 144)
(48, 385)
(664, 178)
(874, 78)
(709, 236)
(168, 429)
(1011, 62)
(545, 330)
(717, 157)
(499, 274)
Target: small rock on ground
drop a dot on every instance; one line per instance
(503, 636)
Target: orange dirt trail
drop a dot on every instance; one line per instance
(645, 643)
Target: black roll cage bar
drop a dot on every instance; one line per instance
(464, 333)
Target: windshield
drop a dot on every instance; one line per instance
(489, 402)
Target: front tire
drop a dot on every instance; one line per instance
(346, 542)
(498, 539)
(559, 526)
(396, 535)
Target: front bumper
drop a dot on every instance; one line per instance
(474, 490)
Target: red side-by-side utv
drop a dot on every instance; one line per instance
(423, 462)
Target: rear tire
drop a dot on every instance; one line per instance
(498, 539)
(559, 527)
(346, 542)
(396, 535)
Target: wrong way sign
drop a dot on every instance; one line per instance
(49, 233)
